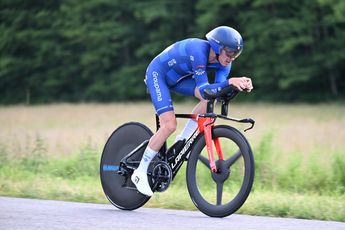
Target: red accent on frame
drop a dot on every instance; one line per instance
(206, 125)
(201, 121)
(194, 117)
(218, 148)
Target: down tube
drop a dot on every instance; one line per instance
(178, 160)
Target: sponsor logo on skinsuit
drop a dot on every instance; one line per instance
(172, 62)
(199, 71)
(156, 85)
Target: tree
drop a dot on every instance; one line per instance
(98, 50)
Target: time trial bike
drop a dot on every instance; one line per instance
(220, 162)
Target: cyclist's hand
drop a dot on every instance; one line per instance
(241, 83)
(249, 84)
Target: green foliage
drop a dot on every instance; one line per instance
(338, 167)
(36, 161)
(295, 172)
(84, 164)
(264, 176)
(294, 187)
(289, 177)
(287, 204)
(98, 50)
(3, 155)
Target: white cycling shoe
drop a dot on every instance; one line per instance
(141, 182)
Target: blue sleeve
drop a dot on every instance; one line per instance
(200, 75)
(222, 74)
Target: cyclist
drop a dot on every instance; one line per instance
(182, 68)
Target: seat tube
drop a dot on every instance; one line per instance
(157, 122)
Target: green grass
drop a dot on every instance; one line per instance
(53, 152)
(278, 191)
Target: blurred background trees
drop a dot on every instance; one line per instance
(98, 50)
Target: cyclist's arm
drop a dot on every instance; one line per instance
(222, 74)
(200, 75)
(201, 79)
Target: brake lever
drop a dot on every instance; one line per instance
(245, 120)
(248, 120)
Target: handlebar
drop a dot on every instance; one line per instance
(224, 96)
(227, 93)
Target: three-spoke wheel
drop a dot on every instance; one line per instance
(221, 193)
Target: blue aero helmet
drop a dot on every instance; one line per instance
(227, 38)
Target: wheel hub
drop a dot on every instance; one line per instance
(222, 173)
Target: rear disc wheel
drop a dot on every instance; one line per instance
(119, 189)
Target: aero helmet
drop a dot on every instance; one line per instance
(224, 37)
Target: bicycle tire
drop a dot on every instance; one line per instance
(245, 157)
(121, 142)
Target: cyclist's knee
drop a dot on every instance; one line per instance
(202, 100)
(169, 126)
(168, 122)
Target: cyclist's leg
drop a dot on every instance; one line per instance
(161, 99)
(202, 105)
(167, 122)
(188, 87)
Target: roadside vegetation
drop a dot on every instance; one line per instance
(299, 156)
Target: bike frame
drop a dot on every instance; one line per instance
(205, 125)
(176, 162)
(166, 164)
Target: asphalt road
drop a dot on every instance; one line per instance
(17, 213)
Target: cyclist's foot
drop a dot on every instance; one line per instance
(141, 182)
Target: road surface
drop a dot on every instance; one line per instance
(18, 213)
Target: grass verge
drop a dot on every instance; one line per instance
(262, 203)
(75, 178)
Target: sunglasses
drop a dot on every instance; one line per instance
(232, 54)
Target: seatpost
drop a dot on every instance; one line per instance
(163, 149)
(225, 107)
(210, 105)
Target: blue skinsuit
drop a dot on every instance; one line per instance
(180, 68)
